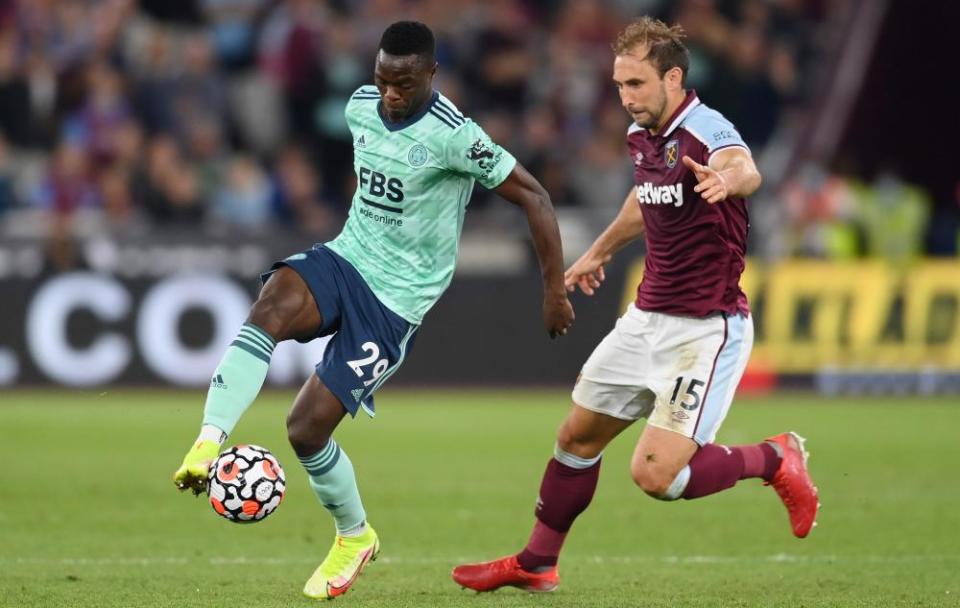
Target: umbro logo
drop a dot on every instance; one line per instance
(361, 142)
(217, 382)
(357, 393)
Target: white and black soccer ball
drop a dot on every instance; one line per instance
(246, 483)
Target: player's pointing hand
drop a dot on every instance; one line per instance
(712, 187)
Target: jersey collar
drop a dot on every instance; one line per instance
(396, 126)
(686, 106)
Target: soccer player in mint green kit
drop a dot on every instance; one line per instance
(416, 158)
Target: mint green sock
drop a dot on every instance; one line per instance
(335, 484)
(238, 378)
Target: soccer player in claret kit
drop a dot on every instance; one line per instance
(677, 354)
(416, 158)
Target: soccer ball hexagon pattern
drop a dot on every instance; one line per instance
(245, 484)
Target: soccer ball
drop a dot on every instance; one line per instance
(245, 484)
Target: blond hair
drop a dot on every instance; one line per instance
(664, 44)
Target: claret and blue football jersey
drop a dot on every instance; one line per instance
(695, 251)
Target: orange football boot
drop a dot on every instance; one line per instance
(793, 484)
(504, 572)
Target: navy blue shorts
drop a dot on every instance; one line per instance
(370, 341)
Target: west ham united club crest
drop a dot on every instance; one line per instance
(672, 153)
(417, 155)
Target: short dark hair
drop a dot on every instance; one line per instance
(408, 38)
(664, 43)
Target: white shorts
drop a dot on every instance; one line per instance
(680, 372)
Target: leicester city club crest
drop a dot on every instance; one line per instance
(417, 155)
(671, 153)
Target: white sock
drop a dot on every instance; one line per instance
(208, 432)
(357, 530)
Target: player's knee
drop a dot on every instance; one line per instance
(280, 305)
(572, 443)
(653, 481)
(303, 434)
(565, 438)
(296, 431)
(269, 314)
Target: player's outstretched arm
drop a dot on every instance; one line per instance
(587, 272)
(731, 172)
(522, 189)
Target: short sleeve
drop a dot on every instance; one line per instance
(364, 94)
(348, 115)
(714, 131)
(471, 151)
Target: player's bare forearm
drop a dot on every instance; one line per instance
(520, 188)
(625, 228)
(587, 272)
(523, 190)
(738, 170)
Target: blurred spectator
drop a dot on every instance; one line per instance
(7, 194)
(742, 86)
(894, 217)
(61, 31)
(232, 28)
(243, 198)
(14, 94)
(67, 186)
(109, 19)
(504, 58)
(205, 147)
(821, 210)
(95, 127)
(126, 144)
(115, 192)
(291, 55)
(44, 89)
(574, 82)
(297, 199)
(165, 185)
(198, 91)
(603, 173)
(65, 189)
(151, 57)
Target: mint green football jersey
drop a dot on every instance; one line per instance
(414, 180)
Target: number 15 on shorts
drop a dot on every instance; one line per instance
(378, 368)
(691, 399)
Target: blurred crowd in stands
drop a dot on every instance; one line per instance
(226, 116)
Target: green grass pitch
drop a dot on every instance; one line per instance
(89, 516)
